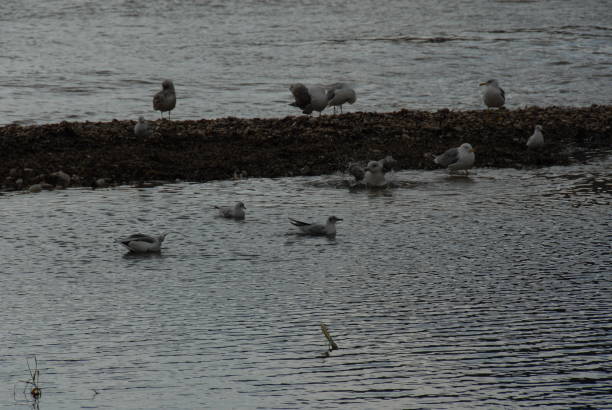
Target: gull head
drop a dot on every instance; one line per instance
(538, 127)
(333, 219)
(141, 119)
(240, 205)
(162, 237)
(466, 147)
(167, 85)
(374, 166)
(492, 82)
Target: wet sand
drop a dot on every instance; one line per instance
(101, 153)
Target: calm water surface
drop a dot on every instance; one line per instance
(99, 60)
(489, 291)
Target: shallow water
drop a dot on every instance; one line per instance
(488, 291)
(94, 60)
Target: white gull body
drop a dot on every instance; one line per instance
(537, 139)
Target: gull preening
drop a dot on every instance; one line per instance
(340, 93)
(456, 159)
(329, 229)
(235, 212)
(165, 100)
(494, 96)
(309, 99)
(141, 129)
(140, 243)
(374, 175)
(537, 139)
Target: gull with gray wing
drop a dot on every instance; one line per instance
(140, 243)
(494, 96)
(309, 99)
(339, 94)
(455, 159)
(234, 212)
(329, 229)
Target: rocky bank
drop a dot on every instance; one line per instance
(101, 153)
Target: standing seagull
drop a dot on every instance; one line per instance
(456, 159)
(235, 212)
(329, 229)
(141, 129)
(140, 243)
(537, 139)
(309, 99)
(493, 95)
(165, 100)
(339, 94)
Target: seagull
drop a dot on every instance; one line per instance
(140, 243)
(388, 163)
(339, 94)
(493, 95)
(165, 100)
(309, 99)
(236, 211)
(329, 229)
(374, 175)
(141, 129)
(537, 139)
(357, 171)
(456, 159)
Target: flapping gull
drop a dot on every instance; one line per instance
(388, 163)
(140, 243)
(357, 171)
(329, 229)
(165, 100)
(455, 159)
(493, 95)
(141, 129)
(339, 94)
(374, 175)
(235, 212)
(309, 99)
(537, 139)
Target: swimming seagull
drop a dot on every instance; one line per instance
(140, 243)
(309, 99)
(165, 100)
(339, 94)
(141, 129)
(537, 139)
(236, 211)
(329, 229)
(493, 95)
(374, 175)
(455, 159)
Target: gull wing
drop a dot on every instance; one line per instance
(449, 157)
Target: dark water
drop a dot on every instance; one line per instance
(99, 60)
(490, 291)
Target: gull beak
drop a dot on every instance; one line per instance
(339, 219)
(472, 150)
(482, 84)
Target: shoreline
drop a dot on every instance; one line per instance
(107, 153)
